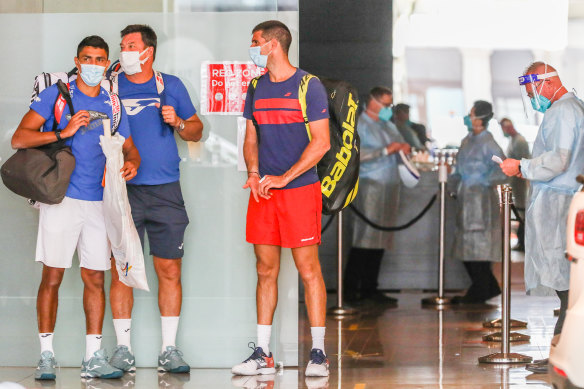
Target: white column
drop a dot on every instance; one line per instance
(476, 75)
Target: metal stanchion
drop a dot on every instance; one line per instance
(440, 300)
(339, 311)
(505, 356)
(498, 336)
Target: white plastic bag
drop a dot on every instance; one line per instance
(121, 231)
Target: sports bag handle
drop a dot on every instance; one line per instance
(63, 97)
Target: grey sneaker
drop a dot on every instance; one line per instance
(123, 359)
(46, 367)
(171, 360)
(98, 367)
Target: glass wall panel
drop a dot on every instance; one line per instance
(218, 317)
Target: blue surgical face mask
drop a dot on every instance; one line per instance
(467, 122)
(92, 74)
(385, 114)
(544, 103)
(259, 59)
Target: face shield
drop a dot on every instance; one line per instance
(531, 86)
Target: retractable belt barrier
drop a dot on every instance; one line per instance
(385, 228)
(396, 228)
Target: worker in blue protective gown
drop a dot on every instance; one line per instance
(557, 159)
(477, 240)
(377, 199)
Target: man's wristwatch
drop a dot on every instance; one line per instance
(181, 126)
(58, 134)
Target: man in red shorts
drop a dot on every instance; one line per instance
(285, 202)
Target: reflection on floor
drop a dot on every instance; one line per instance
(403, 347)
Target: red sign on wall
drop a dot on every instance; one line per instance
(224, 86)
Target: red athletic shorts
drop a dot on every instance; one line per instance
(290, 218)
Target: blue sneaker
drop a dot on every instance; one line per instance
(123, 359)
(98, 367)
(171, 361)
(46, 367)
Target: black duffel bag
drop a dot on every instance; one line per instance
(42, 173)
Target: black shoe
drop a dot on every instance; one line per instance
(538, 367)
(380, 298)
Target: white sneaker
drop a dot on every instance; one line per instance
(318, 365)
(257, 363)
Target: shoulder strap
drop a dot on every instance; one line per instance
(115, 68)
(114, 84)
(251, 88)
(302, 91)
(116, 111)
(63, 98)
(72, 72)
(160, 87)
(159, 82)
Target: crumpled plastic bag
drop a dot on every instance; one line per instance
(121, 231)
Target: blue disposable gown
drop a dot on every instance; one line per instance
(478, 220)
(558, 157)
(379, 183)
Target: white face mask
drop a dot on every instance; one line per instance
(130, 61)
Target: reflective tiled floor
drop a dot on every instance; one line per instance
(403, 347)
